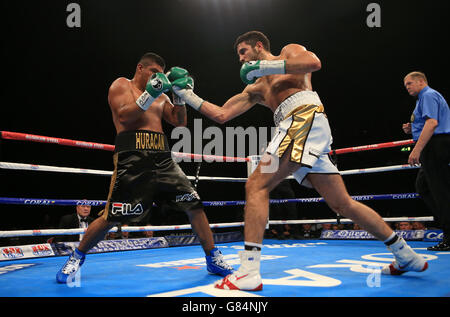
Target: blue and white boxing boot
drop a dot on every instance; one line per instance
(71, 266)
(215, 264)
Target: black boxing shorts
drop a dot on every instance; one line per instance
(144, 173)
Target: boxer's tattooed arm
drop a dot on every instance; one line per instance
(181, 115)
(174, 114)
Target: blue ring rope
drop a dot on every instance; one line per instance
(72, 202)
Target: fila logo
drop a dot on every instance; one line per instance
(126, 209)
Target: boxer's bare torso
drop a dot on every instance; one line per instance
(146, 120)
(273, 89)
(269, 91)
(128, 116)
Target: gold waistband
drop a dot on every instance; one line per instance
(141, 140)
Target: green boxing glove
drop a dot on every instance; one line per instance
(250, 71)
(183, 88)
(173, 74)
(156, 85)
(183, 83)
(176, 73)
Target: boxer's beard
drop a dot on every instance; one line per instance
(255, 55)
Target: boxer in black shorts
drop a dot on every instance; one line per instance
(144, 171)
(143, 162)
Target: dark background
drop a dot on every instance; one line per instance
(56, 79)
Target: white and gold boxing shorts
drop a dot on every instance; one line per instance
(301, 120)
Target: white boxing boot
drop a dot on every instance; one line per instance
(247, 277)
(405, 260)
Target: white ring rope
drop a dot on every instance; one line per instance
(47, 168)
(47, 232)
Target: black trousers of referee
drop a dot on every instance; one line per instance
(433, 180)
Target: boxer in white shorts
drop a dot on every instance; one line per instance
(301, 120)
(300, 147)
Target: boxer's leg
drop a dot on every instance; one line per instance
(258, 187)
(332, 189)
(257, 190)
(200, 226)
(215, 264)
(95, 232)
(179, 193)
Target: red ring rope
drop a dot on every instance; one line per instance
(107, 147)
(99, 146)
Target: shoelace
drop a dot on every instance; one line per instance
(71, 265)
(218, 260)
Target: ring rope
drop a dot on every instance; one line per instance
(99, 146)
(108, 147)
(372, 147)
(47, 232)
(47, 168)
(71, 202)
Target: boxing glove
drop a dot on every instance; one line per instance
(156, 85)
(183, 88)
(250, 71)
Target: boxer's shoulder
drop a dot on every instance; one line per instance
(292, 48)
(119, 86)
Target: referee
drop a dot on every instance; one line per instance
(430, 128)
